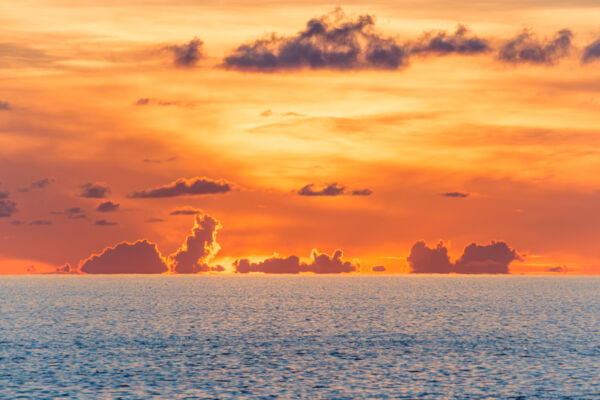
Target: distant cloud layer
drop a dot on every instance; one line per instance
(141, 257)
(185, 187)
(332, 189)
(494, 258)
(332, 41)
(188, 54)
(199, 247)
(97, 190)
(527, 48)
(442, 43)
(319, 264)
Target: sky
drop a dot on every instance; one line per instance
(299, 136)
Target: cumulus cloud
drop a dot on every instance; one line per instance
(591, 52)
(107, 206)
(527, 48)
(199, 247)
(5, 106)
(186, 211)
(319, 264)
(460, 195)
(188, 54)
(7, 208)
(185, 187)
(332, 41)
(96, 190)
(494, 258)
(141, 257)
(442, 43)
(332, 189)
(103, 222)
(424, 260)
(378, 268)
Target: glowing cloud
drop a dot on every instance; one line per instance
(200, 246)
(141, 257)
(319, 264)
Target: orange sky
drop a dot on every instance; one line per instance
(519, 139)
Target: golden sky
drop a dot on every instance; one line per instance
(483, 136)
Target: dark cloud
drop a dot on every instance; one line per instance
(442, 43)
(491, 259)
(7, 208)
(183, 187)
(332, 41)
(4, 195)
(558, 269)
(154, 220)
(591, 52)
(97, 190)
(141, 257)
(362, 192)
(424, 260)
(72, 213)
(103, 222)
(378, 268)
(186, 211)
(107, 206)
(330, 190)
(188, 54)
(198, 248)
(461, 195)
(64, 269)
(42, 183)
(476, 259)
(527, 48)
(41, 222)
(319, 264)
(5, 106)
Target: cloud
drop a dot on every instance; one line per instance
(4, 195)
(147, 101)
(332, 41)
(491, 259)
(442, 43)
(154, 220)
(378, 268)
(591, 52)
(7, 208)
(424, 260)
(41, 222)
(319, 264)
(42, 183)
(107, 206)
(558, 269)
(527, 48)
(72, 213)
(103, 222)
(184, 187)
(330, 190)
(97, 190)
(186, 211)
(16, 222)
(494, 258)
(266, 113)
(5, 106)
(188, 54)
(141, 257)
(64, 269)
(158, 161)
(200, 246)
(461, 195)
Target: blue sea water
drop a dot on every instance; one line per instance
(334, 337)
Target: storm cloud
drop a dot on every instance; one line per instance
(188, 54)
(141, 257)
(442, 43)
(494, 258)
(198, 248)
(185, 187)
(332, 41)
(528, 48)
(319, 264)
(96, 190)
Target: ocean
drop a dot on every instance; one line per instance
(314, 337)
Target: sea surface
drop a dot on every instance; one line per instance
(331, 337)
